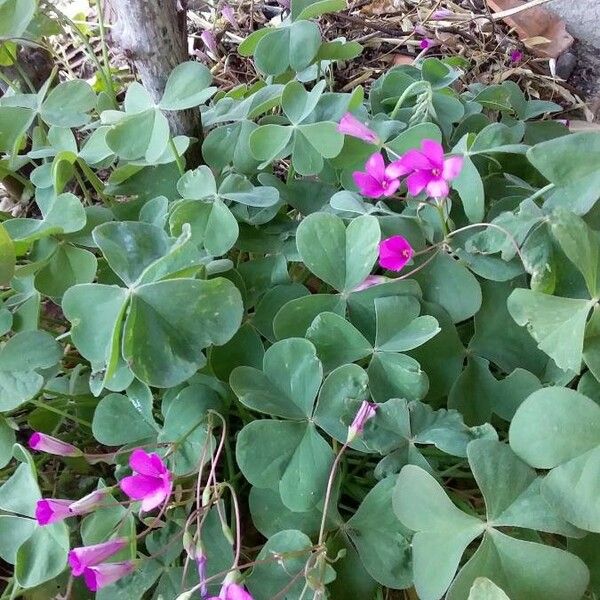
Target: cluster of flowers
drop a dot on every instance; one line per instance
(426, 169)
(151, 484)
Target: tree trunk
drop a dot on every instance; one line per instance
(152, 34)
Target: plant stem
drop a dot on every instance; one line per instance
(334, 468)
(178, 159)
(62, 413)
(107, 74)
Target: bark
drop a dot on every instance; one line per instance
(152, 34)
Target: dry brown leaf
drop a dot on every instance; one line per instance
(535, 23)
(403, 59)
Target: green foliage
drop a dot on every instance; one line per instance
(224, 316)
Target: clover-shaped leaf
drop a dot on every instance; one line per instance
(292, 457)
(511, 492)
(559, 429)
(557, 324)
(187, 86)
(380, 538)
(341, 256)
(21, 358)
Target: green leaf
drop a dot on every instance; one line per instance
(399, 327)
(117, 420)
(230, 144)
(381, 539)
(140, 135)
(15, 16)
(469, 186)
(187, 86)
(449, 284)
(340, 256)
(212, 224)
(7, 439)
(525, 570)
(309, 9)
(323, 137)
(396, 376)
(68, 266)
(581, 245)
(485, 589)
(295, 316)
(14, 123)
(245, 348)
(197, 184)
(7, 257)
(292, 457)
(68, 103)
(288, 383)
(270, 577)
(297, 103)
(20, 493)
(13, 532)
(337, 341)
(294, 46)
(269, 141)
(339, 400)
(556, 324)
(43, 556)
(270, 304)
(442, 531)
(181, 317)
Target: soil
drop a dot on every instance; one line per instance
(586, 74)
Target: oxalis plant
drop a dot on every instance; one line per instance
(357, 350)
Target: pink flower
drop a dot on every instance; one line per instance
(426, 43)
(428, 169)
(516, 56)
(99, 576)
(51, 510)
(152, 482)
(366, 411)
(232, 591)
(229, 15)
(52, 445)
(394, 253)
(377, 180)
(350, 125)
(89, 502)
(441, 14)
(209, 41)
(370, 281)
(88, 556)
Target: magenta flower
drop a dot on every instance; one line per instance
(229, 15)
(441, 14)
(377, 180)
(52, 445)
(99, 576)
(51, 510)
(232, 591)
(516, 56)
(370, 281)
(426, 43)
(88, 556)
(350, 125)
(394, 253)
(428, 169)
(366, 411)
(209, 41)
(152, 482)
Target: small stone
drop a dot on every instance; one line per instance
(565, 64)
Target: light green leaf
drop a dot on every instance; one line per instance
(485, 589)
(557, 324)
(15, 16)
(197, 184)
(68, 103)
(187, 86)
(340, 256)
(7, 257)
(396, 376)
(288, 384)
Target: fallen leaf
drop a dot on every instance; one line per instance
(403, 59)
(533, 24)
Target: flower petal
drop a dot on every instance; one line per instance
(452, 167)
(350, 125)
(417, 181)
(151, 501)
(367, 185)
(438, 188)
(434, 151)
(414, 160)
(144, 463)
(396, 169)
(375, 166)
(137, 487)
(394, 253)
(391, 186)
